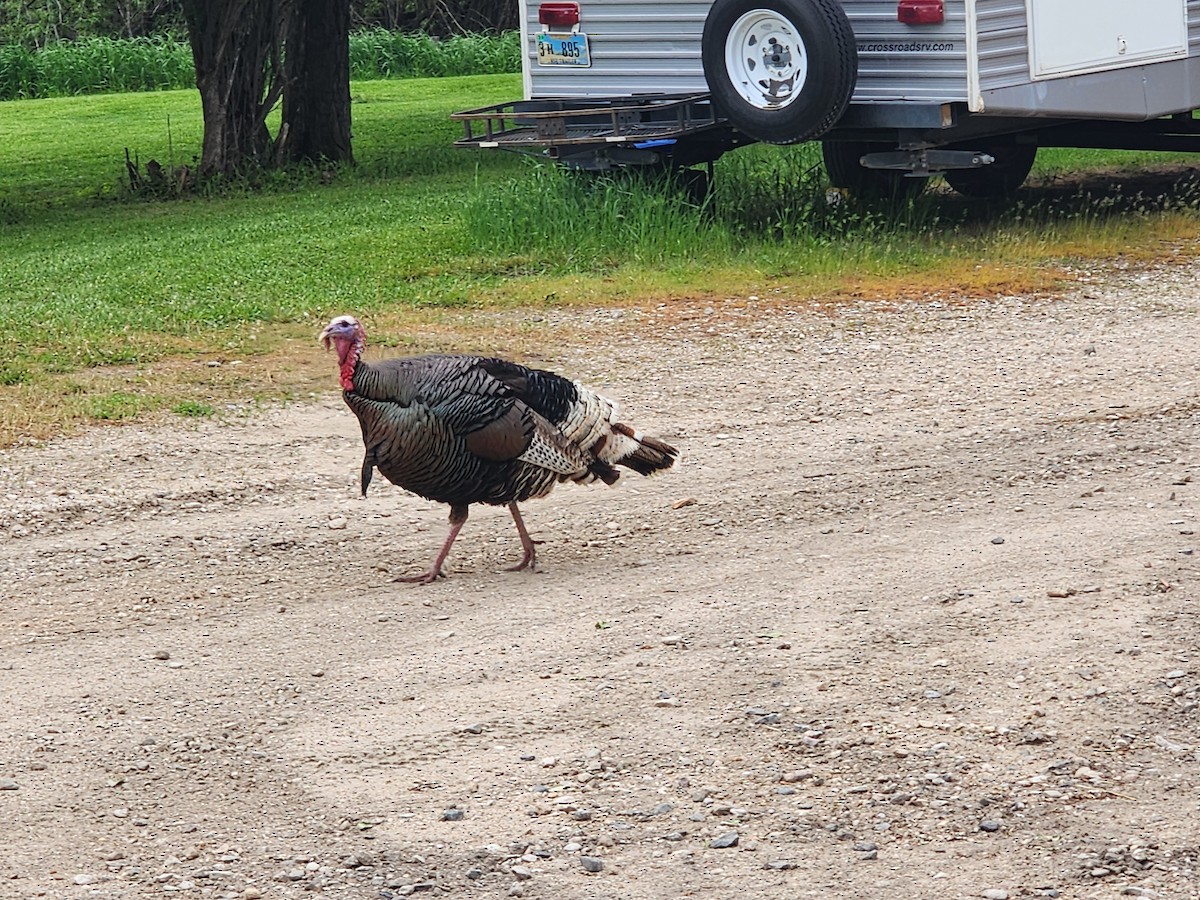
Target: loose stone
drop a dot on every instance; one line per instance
(591, 863)
(728, 839)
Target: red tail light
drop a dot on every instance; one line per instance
(559, 15)
(920, 12)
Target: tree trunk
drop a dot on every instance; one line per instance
(316, 96)
(235, 45)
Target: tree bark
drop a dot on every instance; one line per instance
(316, 96)
(236, 48)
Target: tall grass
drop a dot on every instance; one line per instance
(94, 66)
(116, 65)
(378, 53)
(762, 201)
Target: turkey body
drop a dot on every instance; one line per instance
(462, 429)
(465, 429)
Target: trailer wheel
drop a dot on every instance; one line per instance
(781, 71)
(999, 179)
(845, 171)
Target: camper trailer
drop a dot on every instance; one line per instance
(893, 89)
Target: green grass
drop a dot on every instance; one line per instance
(97, 284)
(113, 65)
(192, 409)
(86, 277)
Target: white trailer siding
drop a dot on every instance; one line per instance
(980, 55)
(640, 48)
(636, 48)
(898, 62)
(1002, 45)
(1108, 88)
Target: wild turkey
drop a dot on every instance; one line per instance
(469, 429)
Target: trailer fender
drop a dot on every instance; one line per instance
(781, 71)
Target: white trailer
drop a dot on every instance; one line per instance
(968, 88)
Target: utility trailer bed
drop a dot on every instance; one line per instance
(890, 87)
(633, 130)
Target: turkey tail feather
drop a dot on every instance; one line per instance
(650, 455)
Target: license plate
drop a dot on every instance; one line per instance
(563, 49)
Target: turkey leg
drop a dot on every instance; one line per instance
(458, 518)
(529, 560)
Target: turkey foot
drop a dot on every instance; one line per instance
(458, 518)
(427, 577)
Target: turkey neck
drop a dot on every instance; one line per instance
(348, 356)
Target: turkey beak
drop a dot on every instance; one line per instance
(324, 337)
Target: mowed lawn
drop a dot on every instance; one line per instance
(83, 265)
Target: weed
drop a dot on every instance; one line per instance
(193, 409)
(12, 375)
(114, 406)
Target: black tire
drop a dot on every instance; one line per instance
(996, 180)
(815, 32)
(845, 171)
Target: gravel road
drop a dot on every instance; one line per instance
(915, 618)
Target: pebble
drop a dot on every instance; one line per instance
(162, 654)
(591, 863)
(1176, 673)
(337, 523)
(989, 825)
(85, 878)
(453, 815)
(7, 784)
(798, 775)
(997, 540)
(995, 894)
(728, 839)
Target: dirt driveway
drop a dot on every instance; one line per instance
(916, 618)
